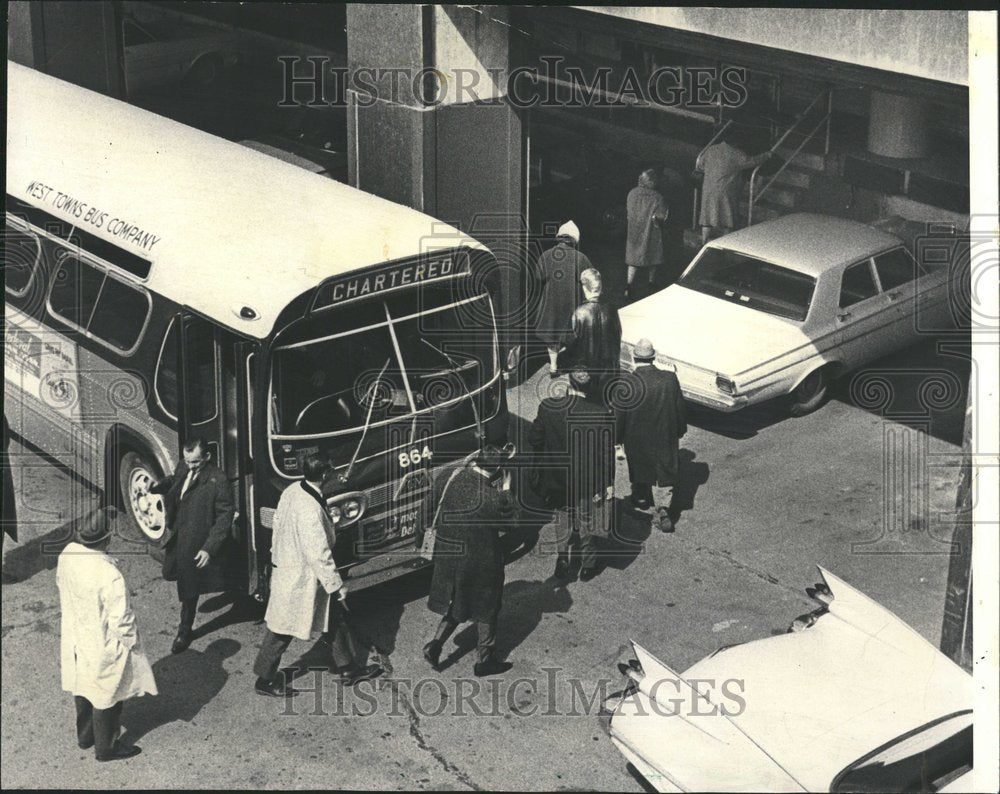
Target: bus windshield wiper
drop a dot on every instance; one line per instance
(456, 369)
(368, 419)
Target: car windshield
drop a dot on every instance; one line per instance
(925, 760)
(382, 360)
(751, 282)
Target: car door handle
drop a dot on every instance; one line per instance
(844, 317)
(893, 295)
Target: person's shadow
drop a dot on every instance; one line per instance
(186, 682)
(524, 604)
(693, 474)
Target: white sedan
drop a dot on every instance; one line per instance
(780, 308)
(851, 699)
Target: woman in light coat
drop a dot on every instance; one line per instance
(102, 660)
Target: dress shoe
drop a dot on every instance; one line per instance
(120, 753)
(553, 373)
(586, 574)
(181, 642)
(274, 689)
(356, 675)
(432, 653)
(562, 568)
(492, 667)
(85, 745)
(665, 524)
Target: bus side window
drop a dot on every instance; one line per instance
(106, 308)
(21, 251)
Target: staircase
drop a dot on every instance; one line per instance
(800, 159)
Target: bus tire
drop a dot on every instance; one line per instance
(145, 511)
(810, 393)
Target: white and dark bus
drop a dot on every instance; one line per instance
(162, 283)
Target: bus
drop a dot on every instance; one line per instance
(163, 284)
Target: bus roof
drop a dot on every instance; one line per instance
(222, 225)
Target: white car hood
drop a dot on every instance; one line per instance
(816, 701)
(710, 333)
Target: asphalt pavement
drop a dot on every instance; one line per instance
(765, 499)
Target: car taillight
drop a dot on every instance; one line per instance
(725, 385)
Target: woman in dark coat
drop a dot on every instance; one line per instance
(560, 268)
(468, 558)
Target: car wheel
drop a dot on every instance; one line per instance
(145, 510)
(810, 393)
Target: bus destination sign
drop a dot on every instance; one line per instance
(392, 276)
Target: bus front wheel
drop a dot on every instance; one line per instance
(135, 475)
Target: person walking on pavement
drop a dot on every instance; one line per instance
(650, 432)
(303, 577)
(475, 507)
(722, 163)
(597, 333)
(103, 664)
(559, 270)
(200, 512)
(573, 439)
(647, 212)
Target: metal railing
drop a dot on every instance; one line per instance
(825, 119)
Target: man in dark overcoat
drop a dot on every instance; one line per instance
(650, 426)
(647, 212)
(573, 441)
(597, 333)
(559, 270)
(200, 512)
(474, 508)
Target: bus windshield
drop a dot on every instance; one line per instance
(382, 360)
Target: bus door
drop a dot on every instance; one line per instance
(214, 397)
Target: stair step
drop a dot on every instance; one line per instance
(763, 211)
(795, 176)
(814, 162)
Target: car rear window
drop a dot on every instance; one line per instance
(751, 282)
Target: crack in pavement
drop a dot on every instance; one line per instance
(762, 575)
(418, 737)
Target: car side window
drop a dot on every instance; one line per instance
(858, 284)
(895, 268)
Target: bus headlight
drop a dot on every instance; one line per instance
(725, 385)
(347, 509)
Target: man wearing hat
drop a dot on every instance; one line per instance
(573, 439)
(102, 660)
(303, 577)
(650, 431)
(559, 270)
(475, 506)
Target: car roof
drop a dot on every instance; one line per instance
(807, 242)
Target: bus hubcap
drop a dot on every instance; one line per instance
(146, 507)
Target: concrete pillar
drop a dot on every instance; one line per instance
(75, 41)
(898, 126)
(427, 122)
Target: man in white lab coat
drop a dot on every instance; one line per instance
(303, 577)
(102, 661)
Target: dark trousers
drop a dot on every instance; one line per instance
(486, 634)
(97, 728)
(189, 607)
(344, 648)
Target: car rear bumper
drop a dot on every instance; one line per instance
(716, 401)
